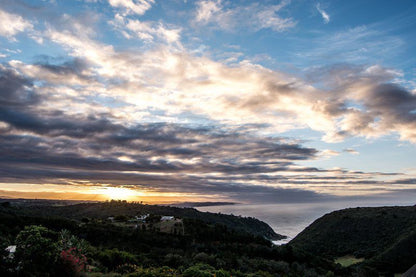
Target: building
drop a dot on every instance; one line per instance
(11, 249)
(167, 218)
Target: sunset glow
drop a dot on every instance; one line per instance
(118, 193)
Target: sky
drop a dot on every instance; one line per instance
(180, 100)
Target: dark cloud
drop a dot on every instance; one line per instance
(50, 146)
(390, 100)
(351, 151)
(75, 66)
(15, 90)
(409, 181)
(367, 99)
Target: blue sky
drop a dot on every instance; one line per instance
(236, 100)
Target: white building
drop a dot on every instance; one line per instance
(11, 249)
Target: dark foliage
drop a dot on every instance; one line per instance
(103, 210)
(205, 249)
(384, 236)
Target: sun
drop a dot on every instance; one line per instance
(118, 193)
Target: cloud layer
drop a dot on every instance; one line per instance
(163, 117)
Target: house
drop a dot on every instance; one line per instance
(167, 218)
(171, 226)
(142, 218)
(411, 272)
(11, 249)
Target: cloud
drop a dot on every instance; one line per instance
(206, 10)
(146, 30)
(12, 24)
(351, 151)
(325, 16)
(170, 79)
(74, 72)
(368, 105)
(255, 16)
(138, 7)
(163, 118)
(360, 45)
(327, 153)
(56, 147)
(15, 89)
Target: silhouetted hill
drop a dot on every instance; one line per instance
(384, 236)
(114, 208)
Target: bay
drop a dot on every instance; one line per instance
(290, 219)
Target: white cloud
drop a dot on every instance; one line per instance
(206, 10)
(12, 24)
(268, 18)
(173, 80)
(254, 17)
(328, 153)
(361, 44)
(146, 30)
(325, 15)
(138, 7)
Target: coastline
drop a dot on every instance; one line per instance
(289, 219)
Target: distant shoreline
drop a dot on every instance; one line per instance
(71, 202)
(199, 204)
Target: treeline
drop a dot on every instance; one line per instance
(95, 247)
(103, 210)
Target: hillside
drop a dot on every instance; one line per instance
(103, 210)
(384, 236)
(51, 245)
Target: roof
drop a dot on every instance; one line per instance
(11, 248)
(411, 272)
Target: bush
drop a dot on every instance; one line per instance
(199, 270)
(36, 253)
(114, 258)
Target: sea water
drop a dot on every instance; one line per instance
(290, 219)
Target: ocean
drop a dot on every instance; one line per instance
(290, 219)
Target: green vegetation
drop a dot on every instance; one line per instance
(384, 236)
(124, 209)
(348, 260)
(94, 246)
(80, 240)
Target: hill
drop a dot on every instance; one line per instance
(103, 210)
(49, 242)
(384, 236)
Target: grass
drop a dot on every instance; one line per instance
(348, 260)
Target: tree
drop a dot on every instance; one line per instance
(36, 253)
(4, 259)
(67, 241)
